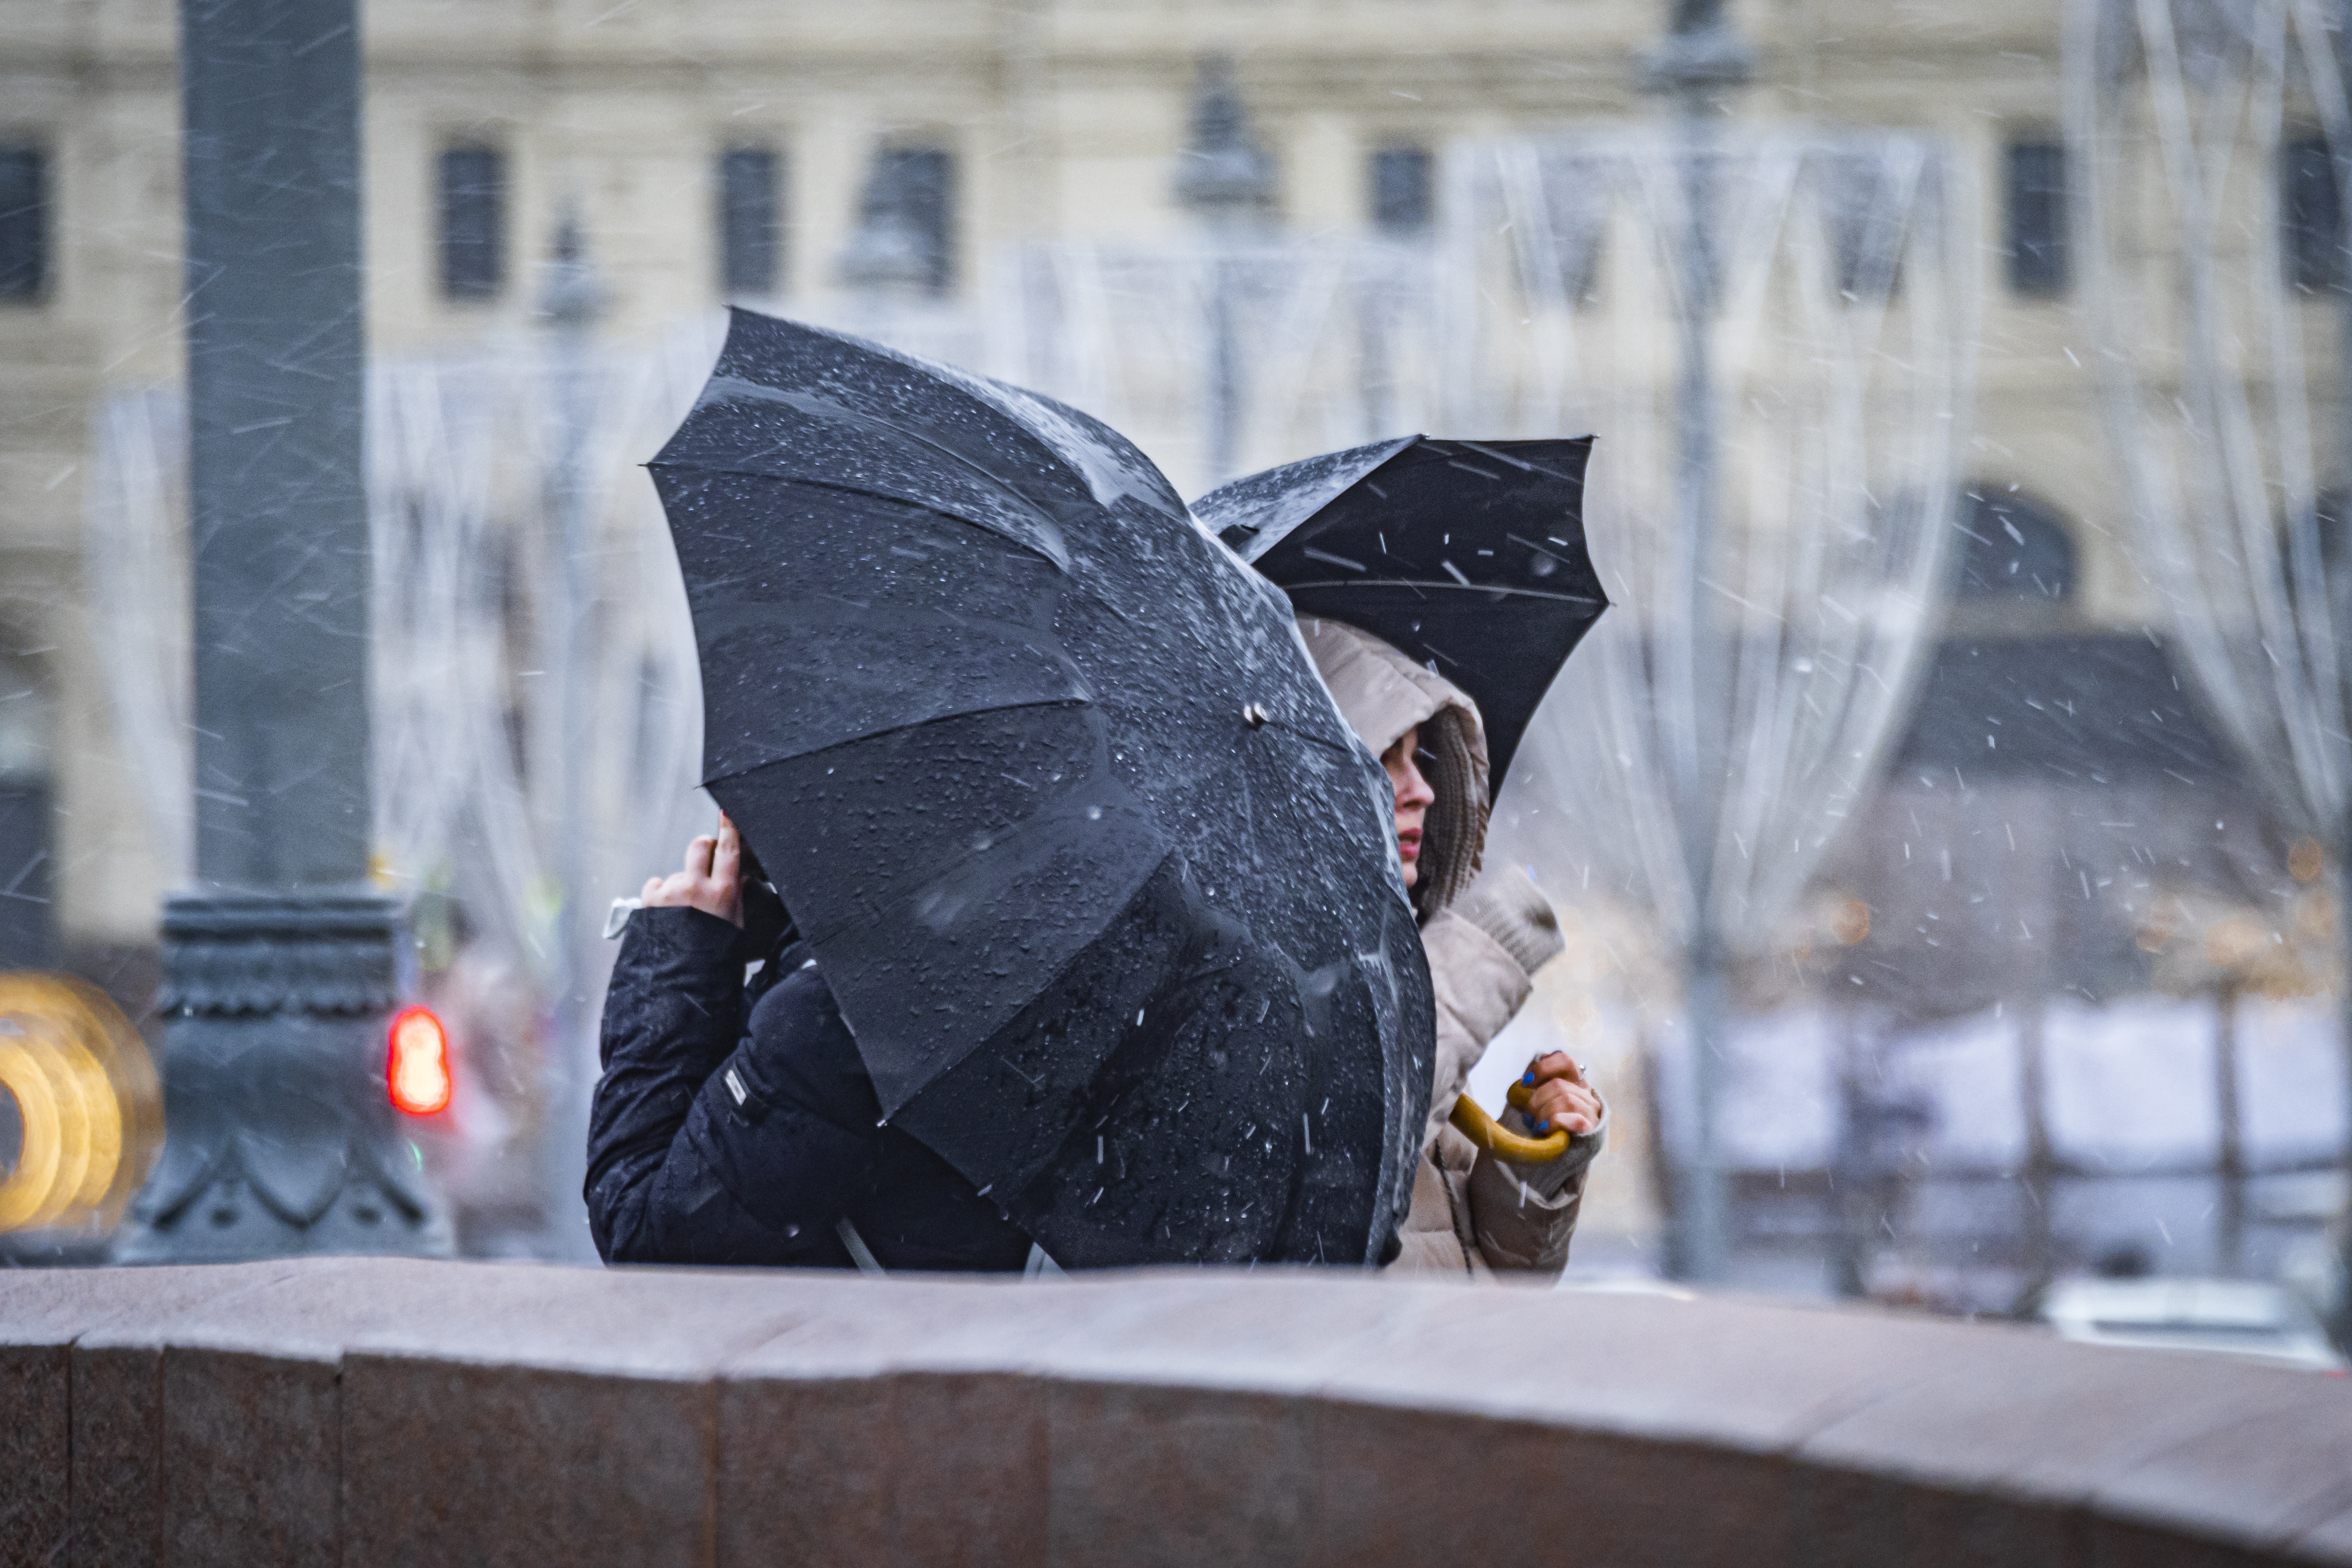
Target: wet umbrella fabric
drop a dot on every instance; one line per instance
(1103, 886)
(1468, 555)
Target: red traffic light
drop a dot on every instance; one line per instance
(417, 1069)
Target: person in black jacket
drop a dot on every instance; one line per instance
(736, 1123)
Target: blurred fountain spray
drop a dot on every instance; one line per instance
(1778, 367)
(1225, 180)
(571, 303)
(1236, 345)
(2215, 375)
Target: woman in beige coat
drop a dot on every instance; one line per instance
(1485, 934)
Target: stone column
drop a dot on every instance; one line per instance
(281, 964)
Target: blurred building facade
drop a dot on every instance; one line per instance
(710, 150)
(766, 153)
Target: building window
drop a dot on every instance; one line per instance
(1558, 263)
(473, 222)
(27, 933)
(24, 223)
(2311, 212)
(1867, 227)
(2036, 217)
(912, 196)
(751, 230)
(1404, 200)
(2014, 547)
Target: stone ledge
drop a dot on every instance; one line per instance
(367, 1411)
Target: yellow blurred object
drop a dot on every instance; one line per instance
(2305, 860)
(2314, 916)
(2163, 923)
(2201, 945)
(1470, 1120)
(1849, 922)
(2234, 942)
(87, 1099)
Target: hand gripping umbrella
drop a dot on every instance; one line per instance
(1103, 886)
(1468, 555)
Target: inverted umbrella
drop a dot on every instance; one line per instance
(1106, 890)
(1468, 555)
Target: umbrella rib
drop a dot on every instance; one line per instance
(1059, 566)
(895, 730)
(1419, 585)
(973, 1047)
(825, 408)
(1520, 463)
(1310, 738)
(1532, 544)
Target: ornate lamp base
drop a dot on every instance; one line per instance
(278, 1135)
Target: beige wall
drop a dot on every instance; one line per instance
(1067, 115)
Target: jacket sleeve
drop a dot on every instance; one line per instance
(672, 1011)
(1483, 952)
(1478, 988)
(712, 1142)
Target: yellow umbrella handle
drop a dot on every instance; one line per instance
(1470, 1119)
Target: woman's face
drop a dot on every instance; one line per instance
(1414, 799)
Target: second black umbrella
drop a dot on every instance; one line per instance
(1468, 555)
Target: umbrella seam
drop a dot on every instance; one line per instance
(1416, 582)
(1060, 566)
(893, 730)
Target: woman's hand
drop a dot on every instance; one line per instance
(1558, 1096)
(712, 881)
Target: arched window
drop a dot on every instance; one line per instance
(473, 202)
(750, 221)
(907, 235)
(2012, 547)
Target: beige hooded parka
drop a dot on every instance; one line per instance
(1486, 935)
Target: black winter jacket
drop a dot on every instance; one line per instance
(736, 1124)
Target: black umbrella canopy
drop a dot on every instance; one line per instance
(1468, 555)
(1106, 891)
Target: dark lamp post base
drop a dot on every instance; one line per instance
(280, 1136)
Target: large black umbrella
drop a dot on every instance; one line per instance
(1468, 555)
(1105, 888)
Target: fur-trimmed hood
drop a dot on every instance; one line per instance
(1382, 694)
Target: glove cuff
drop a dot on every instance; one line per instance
(1550, 1179)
